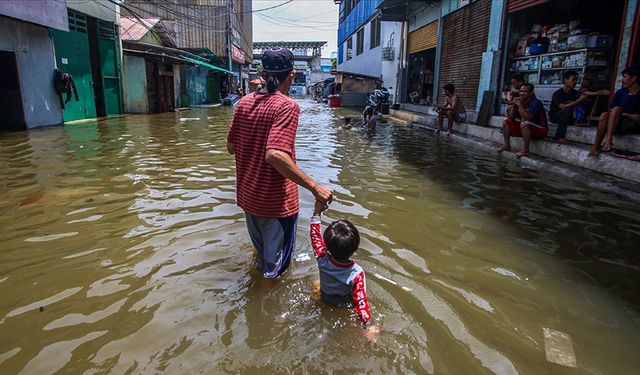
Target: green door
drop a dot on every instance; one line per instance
(72, 56)
(110, 67)
(213, 89)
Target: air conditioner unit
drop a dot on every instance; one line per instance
(387, 53)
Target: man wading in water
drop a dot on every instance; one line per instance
(262, 138)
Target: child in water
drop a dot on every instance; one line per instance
(369, 118)
(342, 281)
(347, 123)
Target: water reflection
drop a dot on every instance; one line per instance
(123, 251)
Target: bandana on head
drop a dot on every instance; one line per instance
(277, 59)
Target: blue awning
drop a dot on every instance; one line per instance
(206, 64)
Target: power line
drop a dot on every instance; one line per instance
(289, 25)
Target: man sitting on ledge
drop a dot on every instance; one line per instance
(533, 124)
(623, 116)
(563, 103)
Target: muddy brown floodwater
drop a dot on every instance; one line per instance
(122, 251)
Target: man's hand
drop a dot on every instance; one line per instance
(322, 194)
(518, 103)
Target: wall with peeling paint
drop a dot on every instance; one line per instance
(196, 84)
(36, 64)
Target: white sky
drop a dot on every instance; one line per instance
(299, 20)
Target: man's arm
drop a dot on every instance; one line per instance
(585, 96)
(282, 162)
(231, 148)
(631, 116)
(524, 114)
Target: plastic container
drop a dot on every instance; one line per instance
(334, 101)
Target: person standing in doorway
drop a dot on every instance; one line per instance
(563, 102)
(262, 139)
(532, 124)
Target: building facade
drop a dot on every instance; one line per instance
(90, 52)
(307, 63)
(27, 95)
(218, 31)
(479, 44)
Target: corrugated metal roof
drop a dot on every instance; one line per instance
(133, 29)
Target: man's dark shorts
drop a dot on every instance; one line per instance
(274, 239)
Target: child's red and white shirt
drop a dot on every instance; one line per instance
(339, 281)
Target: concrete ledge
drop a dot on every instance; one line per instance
(575, 155)
(584, 135)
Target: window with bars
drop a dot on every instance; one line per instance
(349, 48)
(106, 30)
(360, 41)
(374, 38)
(77, 21)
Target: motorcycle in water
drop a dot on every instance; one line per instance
(379, 100)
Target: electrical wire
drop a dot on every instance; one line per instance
(289, 25)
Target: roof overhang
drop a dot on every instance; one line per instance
(345, 74)
(173, 54)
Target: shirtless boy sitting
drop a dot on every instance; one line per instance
(453, 109)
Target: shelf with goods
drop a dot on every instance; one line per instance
(547, 69)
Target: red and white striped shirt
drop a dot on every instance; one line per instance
(261, 122)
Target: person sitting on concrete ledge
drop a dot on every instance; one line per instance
(563, 102)
(453, 109)
(517, 80)
(623, 116)
(533, 124)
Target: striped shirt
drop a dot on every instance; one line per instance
(261, 122)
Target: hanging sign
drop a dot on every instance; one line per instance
(236, 54)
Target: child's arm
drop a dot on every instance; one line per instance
(360, 302)
(317, 242)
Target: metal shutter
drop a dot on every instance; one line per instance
(424, 38)
(516, 5)
(464, 39)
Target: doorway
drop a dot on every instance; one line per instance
(10, 96)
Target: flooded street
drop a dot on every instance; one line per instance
(122, 251)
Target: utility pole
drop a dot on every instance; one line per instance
(229, 32)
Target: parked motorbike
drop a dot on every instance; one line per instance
(379, 100)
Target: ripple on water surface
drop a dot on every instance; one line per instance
(123, 251)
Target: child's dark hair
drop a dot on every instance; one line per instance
(342, 239)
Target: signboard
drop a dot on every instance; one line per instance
(236, 54)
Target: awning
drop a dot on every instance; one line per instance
(205, 64)
(393, 10)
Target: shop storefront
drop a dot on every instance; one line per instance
(421, 64)
(464, 39)
(545, 38)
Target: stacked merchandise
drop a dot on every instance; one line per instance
(561, 37)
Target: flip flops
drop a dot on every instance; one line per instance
(627, 154)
